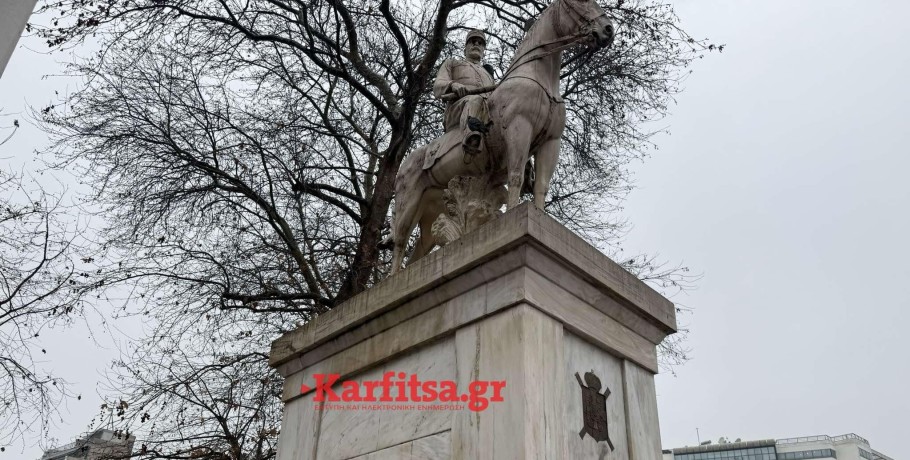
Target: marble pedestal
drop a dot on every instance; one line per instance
(521, 300)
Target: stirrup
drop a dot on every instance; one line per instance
(471, 145)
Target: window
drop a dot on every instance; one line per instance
(809, 454)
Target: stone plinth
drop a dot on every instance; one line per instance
(521, 300)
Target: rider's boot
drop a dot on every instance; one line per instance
(472, 144)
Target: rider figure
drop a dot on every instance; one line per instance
(467, 113)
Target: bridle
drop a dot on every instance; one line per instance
(561, 43)
(578, 15)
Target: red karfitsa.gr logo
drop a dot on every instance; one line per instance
(409, 389)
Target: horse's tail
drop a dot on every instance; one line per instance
(388, 242)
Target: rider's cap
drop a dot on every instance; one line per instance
(476, 33)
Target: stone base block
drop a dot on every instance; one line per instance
(522, 304)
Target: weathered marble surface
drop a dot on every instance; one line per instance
(299, 430)
(516, 346)
(435, 447)
(530, 304)
(469, 203)
(347, 434)
(608, 284)
(641, 412)
(440, 321)
(587, 321)
(540, 418)
(581, 357)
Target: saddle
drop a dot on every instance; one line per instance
(442, 145)
(477, 125)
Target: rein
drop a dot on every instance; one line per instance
(562, 44)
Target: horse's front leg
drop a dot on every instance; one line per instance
(544, 165)
(518, 143)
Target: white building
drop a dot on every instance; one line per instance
(100, 444)
(844, 447)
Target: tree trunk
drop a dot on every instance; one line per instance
(366, 259)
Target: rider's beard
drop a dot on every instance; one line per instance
(475, 54)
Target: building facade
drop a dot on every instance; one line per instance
(99, 445)
(844, 447)
(13, 16)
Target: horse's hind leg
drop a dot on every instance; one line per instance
(424, 245)
(409, 191)
(430, 207)
(406, 214)
(398, 255)
(544, 164)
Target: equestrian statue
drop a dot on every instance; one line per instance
(491, 131)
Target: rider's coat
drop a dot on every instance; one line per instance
(457, 112)
(459, 71)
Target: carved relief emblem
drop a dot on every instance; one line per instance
(470, 201)
(594, 407)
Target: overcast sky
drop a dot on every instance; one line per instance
(783, 183)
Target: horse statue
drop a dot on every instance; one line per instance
(528, 118)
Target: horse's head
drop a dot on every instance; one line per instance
(585, 18)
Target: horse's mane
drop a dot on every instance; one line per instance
(535, 23)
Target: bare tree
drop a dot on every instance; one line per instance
(274, 126)
(242, 155)
(36, 291)
(212, 397)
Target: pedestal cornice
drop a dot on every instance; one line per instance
(524, 237)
